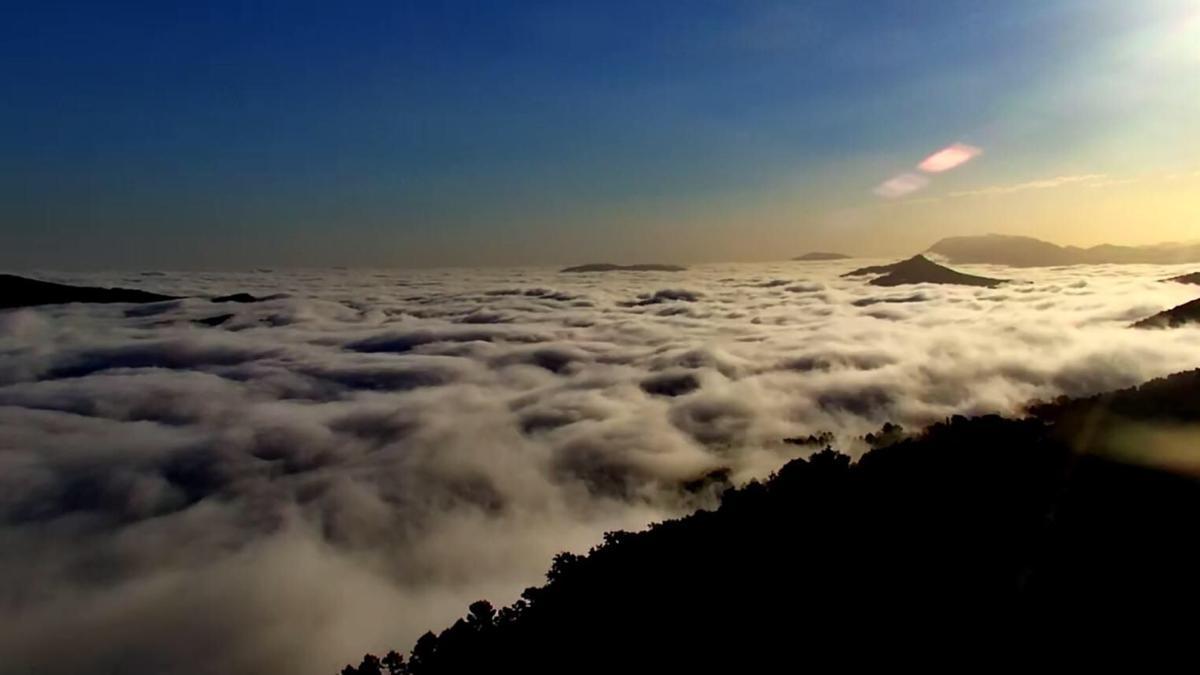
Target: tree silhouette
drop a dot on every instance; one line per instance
(481, 615)
(394, 663)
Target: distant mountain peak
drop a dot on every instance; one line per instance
(610, 267)
(920, 270)
(816, 256)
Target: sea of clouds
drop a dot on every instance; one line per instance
(348, 464)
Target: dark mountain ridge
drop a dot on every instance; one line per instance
(22, 292)
(1193, 278)
(1187, 313)
(1003, 539)
(16, 292)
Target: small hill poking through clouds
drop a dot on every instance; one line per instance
(817, 256)
(1193, 278)
(1184, 314)
(920, 270)
(609, 267)
(18, 291)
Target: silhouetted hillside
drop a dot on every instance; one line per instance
(920, 270)
(609, 267)
(997, 249)
(816, 256)
(213, 321)
(1167, 400)
(1189, 312)
(238, 297)
(22, 292)
(1193, 278)
(987, 539)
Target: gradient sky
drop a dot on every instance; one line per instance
(234, 134)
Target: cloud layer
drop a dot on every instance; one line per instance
(343, 467)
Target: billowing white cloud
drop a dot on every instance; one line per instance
(342, 468)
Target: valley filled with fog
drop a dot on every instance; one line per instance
(351, 460)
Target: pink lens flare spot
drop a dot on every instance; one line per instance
(901, 185)
(949, 157)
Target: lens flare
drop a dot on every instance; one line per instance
(949, 157)
(905, 183)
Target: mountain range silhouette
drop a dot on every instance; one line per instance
(1015, 251)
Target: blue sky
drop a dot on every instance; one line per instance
(231, 134)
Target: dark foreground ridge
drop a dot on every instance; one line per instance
(998, 249)
(983, 539)
(920, 270)
(1188, 312)
(22, 292)
(816, 256)
(609, 267)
